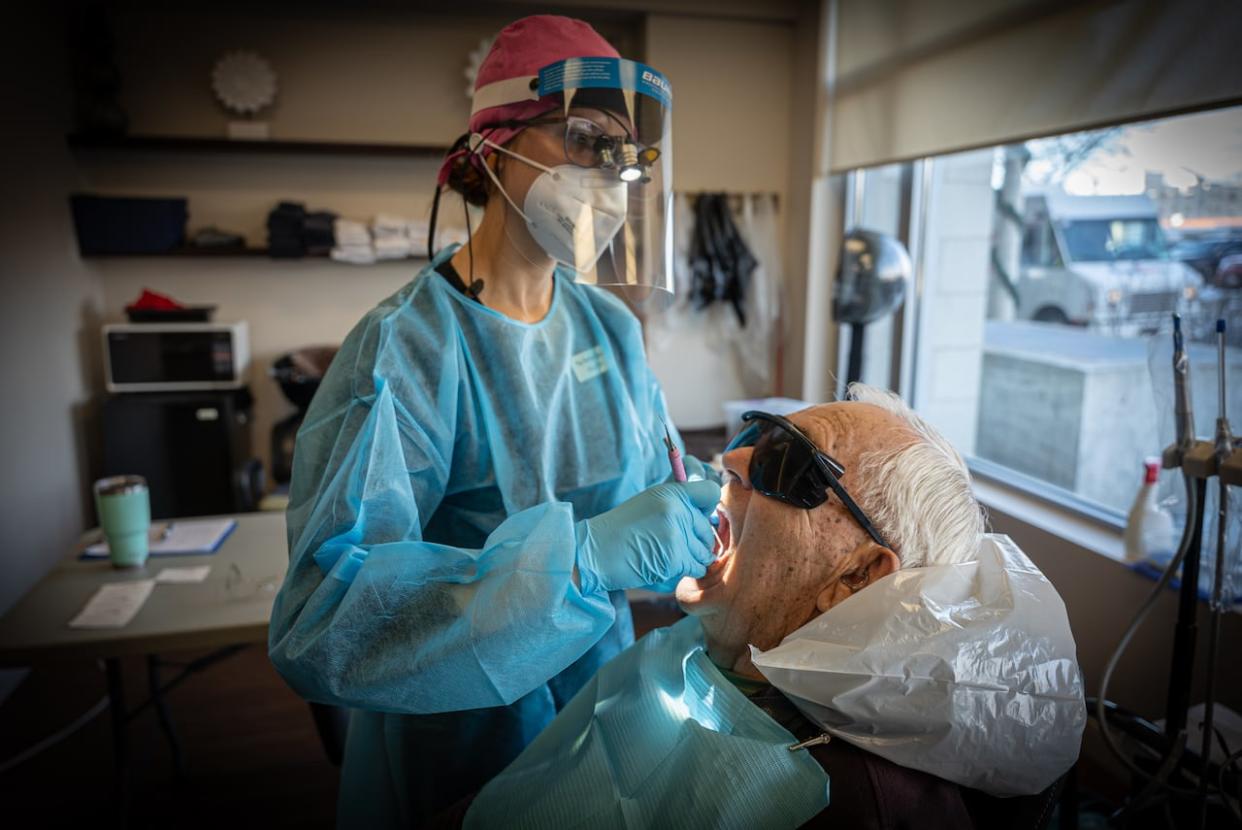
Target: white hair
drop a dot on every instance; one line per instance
(918, 496)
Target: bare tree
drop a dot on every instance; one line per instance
(1060, 156)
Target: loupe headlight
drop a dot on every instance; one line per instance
(631, 170)
(635, 162)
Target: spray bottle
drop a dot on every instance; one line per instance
(1150, 533)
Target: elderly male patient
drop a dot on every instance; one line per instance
(860, 655)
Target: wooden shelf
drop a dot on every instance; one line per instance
(194, 144)
(187, 144)
(224, 253)
(212, 253)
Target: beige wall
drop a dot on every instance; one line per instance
(741, 123)
(804, 228)
(235, 191)
(287, 304)
(48, 320)
(380, 76)
(386, 77)
(732, 82)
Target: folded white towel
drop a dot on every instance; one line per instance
(392, 247)
(388, 224)
(350, 232)
(354, 254)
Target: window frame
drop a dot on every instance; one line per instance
(907, 337)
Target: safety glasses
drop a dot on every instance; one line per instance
(788, 467)
(587, 144)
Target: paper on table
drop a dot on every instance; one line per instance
(114, 604)
(187, 536)
(194, 574)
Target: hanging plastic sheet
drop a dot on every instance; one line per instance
(727, 267)
(755, 347)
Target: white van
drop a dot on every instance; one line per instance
(1100, 262)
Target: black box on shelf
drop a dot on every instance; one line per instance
(128, 224)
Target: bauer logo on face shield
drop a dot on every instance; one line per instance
(652, 78)
(589, 364)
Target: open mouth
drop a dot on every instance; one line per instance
(723, 550)
(724, 541)
(692, 590)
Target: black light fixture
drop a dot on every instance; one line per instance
(871, 284)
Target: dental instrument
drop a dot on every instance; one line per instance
(1224, 447)
(1184, 417)
(679, 471)
(674, 456)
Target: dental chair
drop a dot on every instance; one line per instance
(1026, 812)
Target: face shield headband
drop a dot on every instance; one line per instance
(640, 97)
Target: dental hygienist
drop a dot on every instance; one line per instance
(481, 474)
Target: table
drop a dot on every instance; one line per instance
(227, 611)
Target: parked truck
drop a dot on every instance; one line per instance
(1100, 262)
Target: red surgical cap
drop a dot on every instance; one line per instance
(523, 48)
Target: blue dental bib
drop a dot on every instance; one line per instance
(659, 738)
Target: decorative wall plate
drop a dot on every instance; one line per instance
(244, 82)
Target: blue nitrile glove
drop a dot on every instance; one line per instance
(702, 469)
(649, 541)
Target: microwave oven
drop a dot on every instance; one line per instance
(173, 357)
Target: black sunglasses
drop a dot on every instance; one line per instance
(787, 466)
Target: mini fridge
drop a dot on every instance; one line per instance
(193, 448)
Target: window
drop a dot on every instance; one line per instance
(1039, 246)
(1035, 335)
(1111, 240)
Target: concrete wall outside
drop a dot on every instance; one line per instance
(1031, 417)
(1077, 409)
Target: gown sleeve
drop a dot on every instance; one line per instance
(370, 614)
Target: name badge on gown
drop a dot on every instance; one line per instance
(589, 364)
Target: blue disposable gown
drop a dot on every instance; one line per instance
(437, 479)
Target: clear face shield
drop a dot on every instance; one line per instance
(606, 211)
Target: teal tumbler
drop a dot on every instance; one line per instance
(124, 508)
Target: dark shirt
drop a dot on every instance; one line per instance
(446, 270)
(865, 791)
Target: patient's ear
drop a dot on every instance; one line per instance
(870, 563)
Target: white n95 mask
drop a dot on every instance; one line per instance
(571, 212)
(574, 213)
